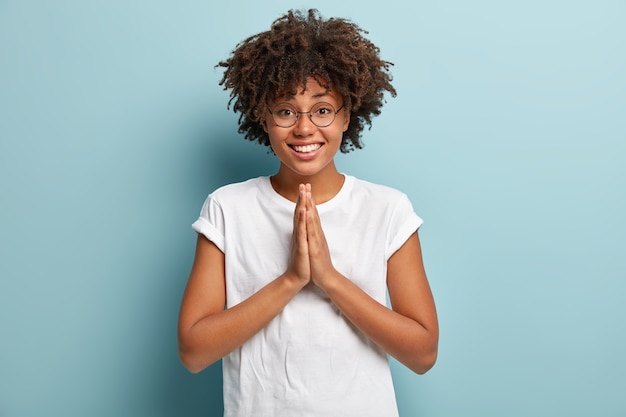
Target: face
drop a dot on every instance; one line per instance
(305, 149)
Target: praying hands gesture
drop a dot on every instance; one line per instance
(310, 258)
(408, 331)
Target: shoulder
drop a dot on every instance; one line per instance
(239, 190)
(375, 192)
(236, 196)
(381, 200)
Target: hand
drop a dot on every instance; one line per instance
(319, 256)
(299, 266)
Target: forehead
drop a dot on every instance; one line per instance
(313, 90)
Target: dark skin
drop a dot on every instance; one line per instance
(307, 175)
(275, 63)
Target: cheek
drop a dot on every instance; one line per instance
(275, 141)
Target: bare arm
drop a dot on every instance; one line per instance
(409, 331)
(207, 332)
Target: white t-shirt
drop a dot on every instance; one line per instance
(309, 360)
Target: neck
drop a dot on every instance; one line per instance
(324, 185)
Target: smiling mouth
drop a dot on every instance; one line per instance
(306, 148)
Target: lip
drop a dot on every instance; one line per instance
(305, 155)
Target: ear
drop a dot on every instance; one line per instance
(264, 124)
(346, 121)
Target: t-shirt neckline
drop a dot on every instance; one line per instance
(286, 203)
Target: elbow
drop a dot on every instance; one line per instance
(193, 363)
(194, 354)
(189, 363)
(191, 359)
(424, 359)
(185, 354)
(425, 363)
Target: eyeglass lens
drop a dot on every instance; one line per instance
(286, 115)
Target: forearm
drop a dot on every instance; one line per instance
(215, 335)
(409, 341)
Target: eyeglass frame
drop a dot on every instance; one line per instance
(298, 113)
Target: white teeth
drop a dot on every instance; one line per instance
(307, 148)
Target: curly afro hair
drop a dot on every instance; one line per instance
(300, 45)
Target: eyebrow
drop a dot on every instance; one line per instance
(320, 95)
(288, 97)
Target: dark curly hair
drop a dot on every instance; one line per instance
(301, 45)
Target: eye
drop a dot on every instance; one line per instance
(284, 112)
(324, 110)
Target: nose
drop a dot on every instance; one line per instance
(304, 125)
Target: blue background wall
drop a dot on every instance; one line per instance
(508, 134)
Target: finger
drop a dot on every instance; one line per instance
(300, 201)
(314, 230)
(312, 213)
(309, 194)
(301, 226)
(309, 205)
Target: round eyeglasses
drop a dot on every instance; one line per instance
(321, 114)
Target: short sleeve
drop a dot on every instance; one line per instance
(210, 222)
(402, 224)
